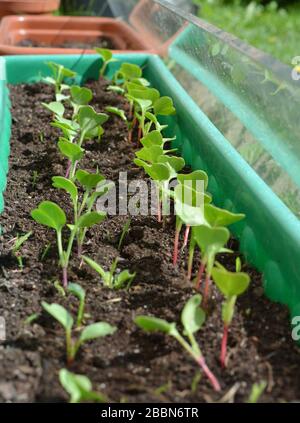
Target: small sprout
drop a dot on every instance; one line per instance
(59, 288)
(79, 387)
(116, 89)
(107, 57)
(257, 391)
(30, 319)
(192, 318)
(93, 331)
(117, 112)
(46, 251)
(56, 108)
(124, 233)
(231, 285)
(110, 279)
(78, 292)
(35, 176)
(18, 242)
(59, 73)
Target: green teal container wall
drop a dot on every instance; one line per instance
(270, 235)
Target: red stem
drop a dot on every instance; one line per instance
(186, 236)
(206, 290)
(130, 133)
(224, 347)
(65, 277)
(68, 169)
(211, 377)
(200, 274)
(175, 252)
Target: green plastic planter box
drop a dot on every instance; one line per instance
(270, 236)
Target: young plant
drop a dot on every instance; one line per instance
(257, 391)
(116, 111)
(18, 242)
(90, 332)
(211, 242)
(79, 96)
(59, 73)
(52, 216)
(79, 387)
(107, 58)
(78, 292)
(124, 233)
(110, 279)
(231, 284)
(192, 319)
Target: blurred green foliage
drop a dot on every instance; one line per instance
(271, 28)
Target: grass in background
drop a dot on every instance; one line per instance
(271, 29)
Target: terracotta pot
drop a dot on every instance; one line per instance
(156, 34)
(50, 34)
(9, 7)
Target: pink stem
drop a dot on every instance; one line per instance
(68, 169)
(131, 130)
(200, 274)
(224, 346)
(206, 290)
(175, 252)
(211, 377)
(65, 277)
(139, 134)
(186, 236)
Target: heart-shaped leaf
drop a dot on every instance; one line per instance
(81, 95)
(88, 180)
(150, 154)
(193, 177)
(88, 120)
(230, 283)
(130, 71)
(55, 107)
(156, 171)
(164, 106)
(72, 151)
(192, 316)
(49, 214)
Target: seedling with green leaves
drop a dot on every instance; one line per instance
(211, 242)
(192, 319)
(51, 215)
(79, 387)
(59, 74)
(107, 58)
(17, 244)
(90, 332)
(111, 279)
(231, 284)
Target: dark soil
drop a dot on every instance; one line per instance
(103, 42)
(130, 365)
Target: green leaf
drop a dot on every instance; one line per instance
(116, 111)
(55, 107)
(79, 387)
(77, 290)
(104, 53)
(20, 241)
(49, 214)
(176, 163)
(91, 219)
(221, 217)
(230, 283)
(144, 104)
(67, 185)
(164, 106)
(193, 177)
(210, 240)
(150, 154)
(96, 330)
(81, 95)
(72, 151)
(153, 138)
(89, 120)
(60, 314)
(130, 71)
(99, 269)
(192, 316)
(156, 171)
(125, 278)
(190, 215)
(144, 93)
(154, 324)
(88, 180)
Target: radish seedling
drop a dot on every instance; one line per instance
(192, 318)
(18, 242)
(124, 233)
(116, 111)
(80, 96)
(78, 292)
(211, 241)
(52, 216)
(59, 73)
(79, 387)
(107, 57)
(93, 331)
(231, 285)
(110, 279)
